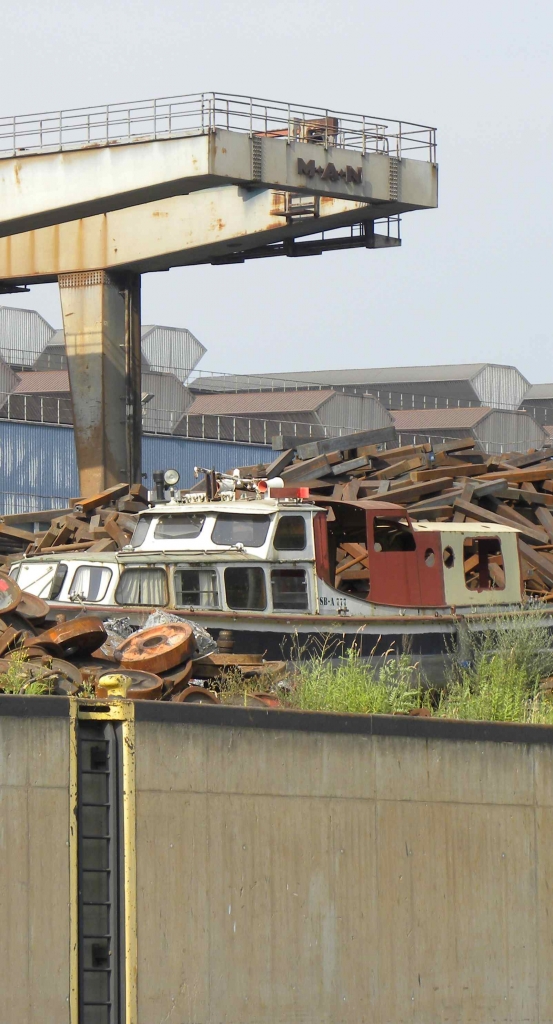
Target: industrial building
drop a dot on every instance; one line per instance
(163, 348)
(258, 416)
(398, 387)
(538, 401)
(495, 430)
(170, 403)
(234, 419)
(38, 462)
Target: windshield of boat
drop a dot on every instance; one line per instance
(179, 526)
(236, 528)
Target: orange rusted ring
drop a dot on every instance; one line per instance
(33, 607)
(144, 686)
(78, 636)
(196, 695)
(157, 649)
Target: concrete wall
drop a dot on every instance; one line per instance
(322, 869)
(34, 863)
(307, 873)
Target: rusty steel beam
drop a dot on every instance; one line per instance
(41, 189)
(174, 232)
(101, 320)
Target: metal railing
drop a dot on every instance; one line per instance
(213, 381)
(171, 117)
(48, 409)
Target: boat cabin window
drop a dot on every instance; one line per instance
(245, 587)
(143, 585)
(196, 588)
(58, 580)
(392, 535)
(230, 529)
(179, 526)
(141, 531)
(290, 534)
(90, 582)
(14, 572)
(483, 563)
(289, 587)
(39, 577)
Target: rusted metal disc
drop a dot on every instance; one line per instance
(33, 652)
(20, 622)
(157, 649)
(78, 636)
(10, 594)
(63, 669)
(268, 700)
(177, 680)
(33, 607)
(145, 685)
(196, 695)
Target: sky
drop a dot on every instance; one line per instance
(471, 281)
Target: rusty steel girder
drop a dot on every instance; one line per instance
(185, 230)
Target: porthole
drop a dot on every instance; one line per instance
(449, 558)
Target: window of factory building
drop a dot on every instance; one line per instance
(179, 527)
(483, 564)
(231, 529)
(142, 585)
(196, 588)
(289, 587)
(245, 588)
(290, 534)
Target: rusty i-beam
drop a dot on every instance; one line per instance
(93, 198)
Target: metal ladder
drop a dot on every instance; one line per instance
(100, 889)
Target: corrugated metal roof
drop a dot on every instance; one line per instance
(538, 391)
(438, 419)
(369, 376)
(258, 403)
(42, 382)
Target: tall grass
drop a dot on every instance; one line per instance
(509, 659)
(354, 686)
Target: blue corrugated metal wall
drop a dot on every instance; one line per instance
(38, 466)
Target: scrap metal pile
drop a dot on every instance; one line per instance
(169, 659)
(450, 482)
(103, 522)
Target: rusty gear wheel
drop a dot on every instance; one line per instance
(157, 649)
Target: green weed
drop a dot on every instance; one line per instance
(355, 686)
(17, 677)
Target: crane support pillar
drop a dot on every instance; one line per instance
(101, 320)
